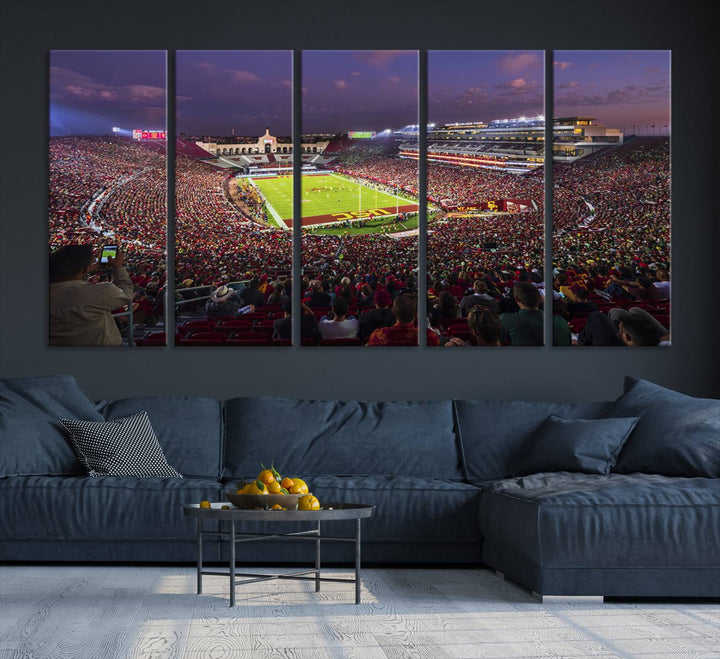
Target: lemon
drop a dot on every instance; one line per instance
(205, 504)
(308, 502)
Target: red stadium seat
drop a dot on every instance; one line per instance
(458, 329)
(152, 339)
(193, 326)
(204, 339)
(447, 323)
(227, 326)
(263, 329)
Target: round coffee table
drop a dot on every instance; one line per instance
(329, 513)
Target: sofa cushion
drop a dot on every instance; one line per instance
(568, 520)
(103, 509)
(32, 440)
(677, 435)
(121, 447)
(493, 433)
(189, 429)
(313, 437)
(408, 509)
(589, 446)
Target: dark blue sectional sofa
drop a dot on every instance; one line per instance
(442, 474)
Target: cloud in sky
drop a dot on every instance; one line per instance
(516, 63)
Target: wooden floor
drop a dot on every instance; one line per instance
(85, 612)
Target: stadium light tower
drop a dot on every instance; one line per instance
(116, 129)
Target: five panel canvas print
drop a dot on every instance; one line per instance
(361, 209)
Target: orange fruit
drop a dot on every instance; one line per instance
(266, 476)
(256, 487)
(225, 507)
(287, 482)
(277, 506)
(274, 487)
(205, 504)
(299, 487)
(308, 502)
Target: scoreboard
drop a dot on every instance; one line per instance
(361, 134)
(148, 134)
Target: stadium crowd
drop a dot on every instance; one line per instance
(611, 239)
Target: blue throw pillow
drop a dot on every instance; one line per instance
(32, 441)
(589, 446)
(493, 434)
(677, 435)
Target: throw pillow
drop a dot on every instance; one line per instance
(589, 446)
(32, 441)
(121, 447)
(677, 435)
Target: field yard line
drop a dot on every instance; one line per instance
(347, 178)
(275, 216)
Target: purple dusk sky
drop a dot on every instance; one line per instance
(624, 89)
(218, 91)
(482, 85)
(92, 91)
(359, 90)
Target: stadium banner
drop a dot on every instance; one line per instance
(489, 206)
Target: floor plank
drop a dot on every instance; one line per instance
(94, 612)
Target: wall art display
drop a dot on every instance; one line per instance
(360, 198)
(107, 197)
(611, 201)
(233, 198)
(485, 164)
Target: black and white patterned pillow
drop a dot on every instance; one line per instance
(121, 447)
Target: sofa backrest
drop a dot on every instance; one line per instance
(189, 429)
(314, 437)
(493, 433)
(32, 441)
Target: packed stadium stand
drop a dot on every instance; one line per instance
(611, 213)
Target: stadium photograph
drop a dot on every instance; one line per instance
(486, 282)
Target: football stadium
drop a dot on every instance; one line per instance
(234, 210)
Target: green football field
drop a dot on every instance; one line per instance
(328, 198)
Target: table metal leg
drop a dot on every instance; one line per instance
(232, 562)
(317, 560)
(200, 556)
(357, 561)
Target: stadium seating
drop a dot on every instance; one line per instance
(204, 339)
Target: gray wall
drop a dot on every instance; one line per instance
(30, 28)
